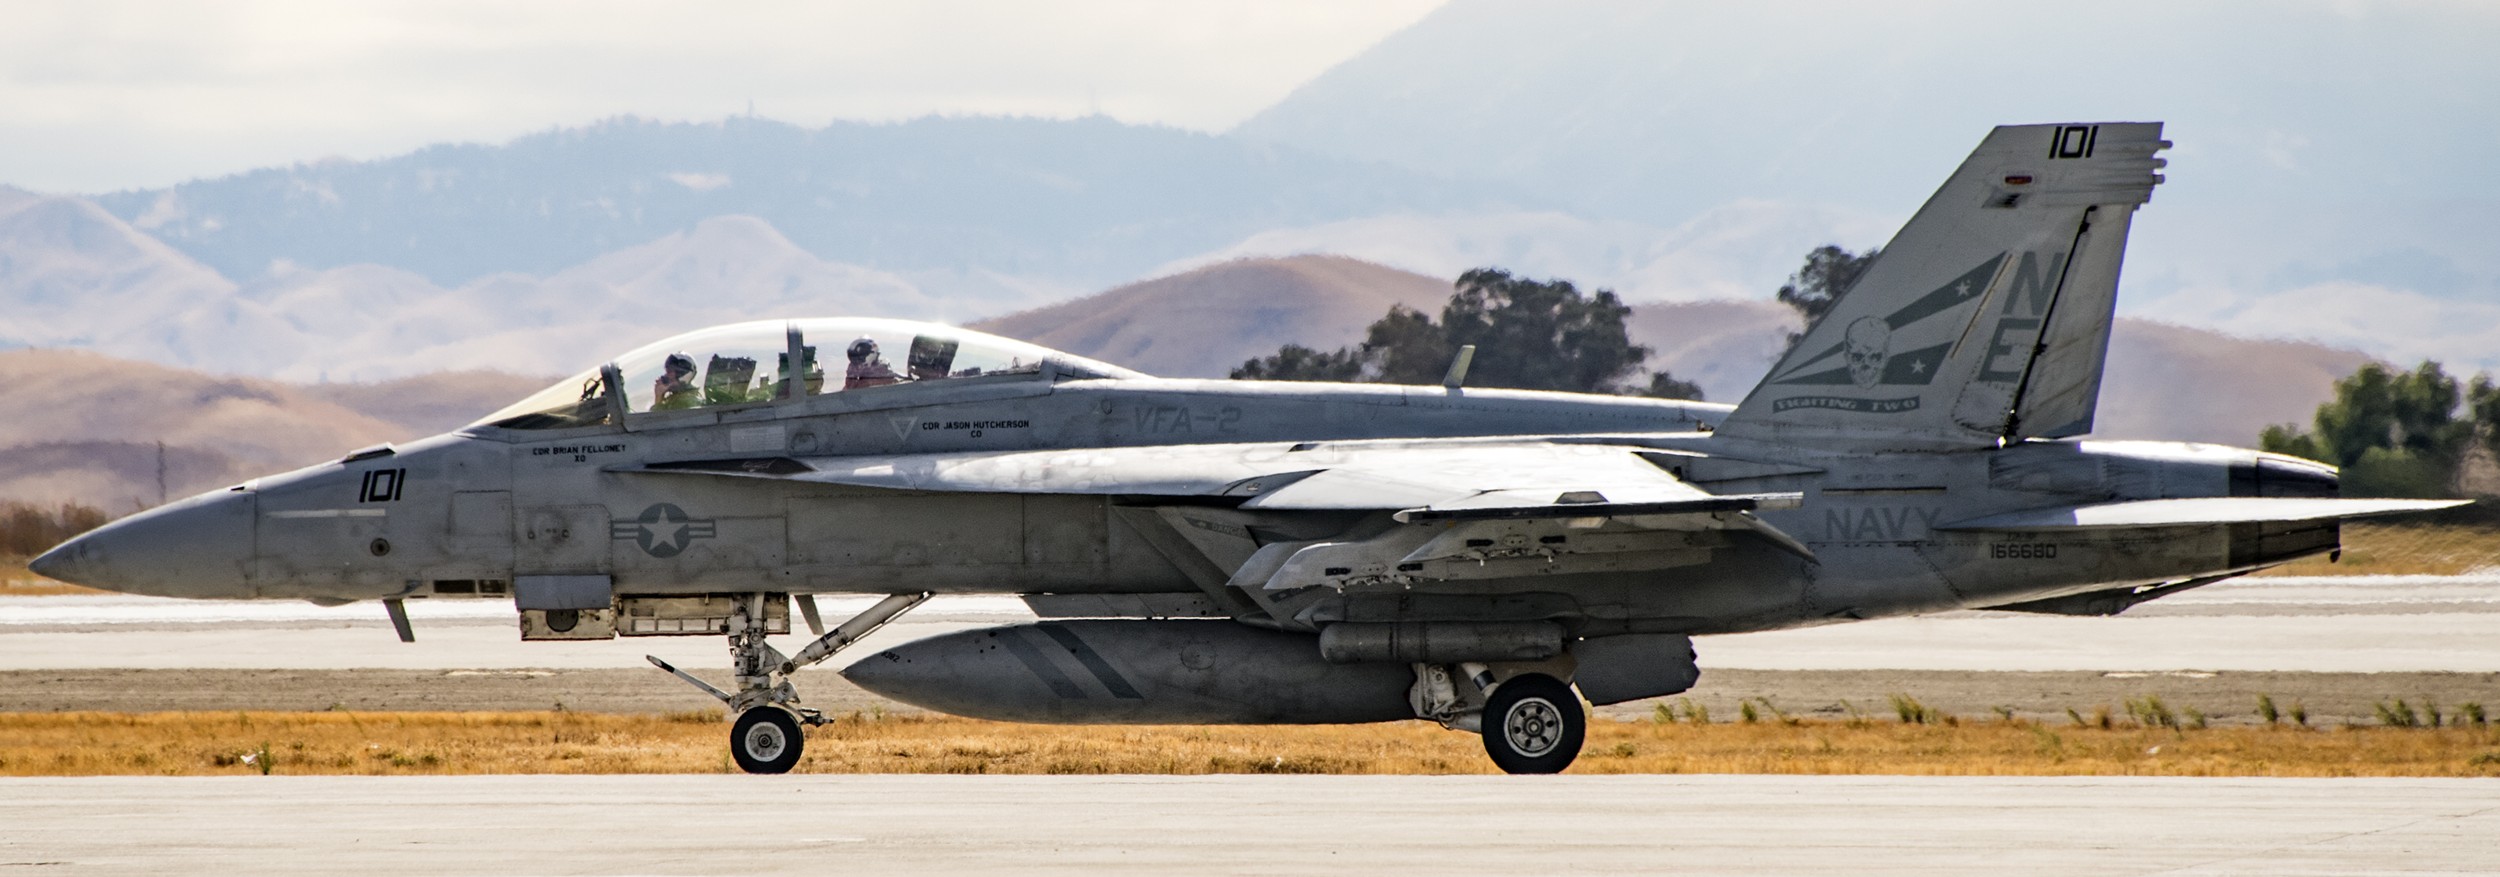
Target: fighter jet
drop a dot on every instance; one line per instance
(1208, 551)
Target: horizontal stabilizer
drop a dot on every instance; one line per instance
(2194, 511)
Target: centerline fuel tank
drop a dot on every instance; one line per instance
(1134, 671)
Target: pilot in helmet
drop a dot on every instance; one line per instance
(867, 368)
(675, 389)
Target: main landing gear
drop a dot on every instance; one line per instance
(1531, 722)
(766, 734)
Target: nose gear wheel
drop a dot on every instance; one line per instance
(767, 740)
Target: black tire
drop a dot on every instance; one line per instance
(1534, 724)
(766, 740)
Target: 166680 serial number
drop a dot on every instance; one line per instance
(2023, 551)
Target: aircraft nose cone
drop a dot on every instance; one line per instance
(59, 563)
(200, 547)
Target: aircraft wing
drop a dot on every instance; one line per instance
(2194, 511)
(1465, 510)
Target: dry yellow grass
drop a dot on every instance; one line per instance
(2406, 549)
(26, 584)
(57, 744)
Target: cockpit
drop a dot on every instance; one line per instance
(748, 364)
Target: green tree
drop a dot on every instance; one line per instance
(1828, 272)
(1528, 334)
(1666, 386)
(1407, 347)
(2393, 433)
(2482, 406)
(1540, 335)
(1294, 362)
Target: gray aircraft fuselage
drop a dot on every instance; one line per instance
(486, 504)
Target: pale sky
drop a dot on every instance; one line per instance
(99, 95)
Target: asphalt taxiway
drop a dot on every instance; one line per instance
(740, 825)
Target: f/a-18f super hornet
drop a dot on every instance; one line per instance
(1206, 551)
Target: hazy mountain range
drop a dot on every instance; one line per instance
(1659, 111)
(1080, 204)
(1672, 151)
(2318, 189)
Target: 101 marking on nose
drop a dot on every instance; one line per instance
(382, 485)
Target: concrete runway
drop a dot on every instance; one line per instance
(736, 825)
(2327, 625)
(1283, 825)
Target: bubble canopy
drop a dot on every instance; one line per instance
(749, 363)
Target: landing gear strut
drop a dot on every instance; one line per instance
(765, 735)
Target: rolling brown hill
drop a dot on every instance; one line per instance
(1206, 322)
(87, 426)
(2175, 382)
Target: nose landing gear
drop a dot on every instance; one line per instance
(766, 734)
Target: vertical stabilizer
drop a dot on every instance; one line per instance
(1987, 317)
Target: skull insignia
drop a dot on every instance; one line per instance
(1869, 346)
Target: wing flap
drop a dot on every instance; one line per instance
(2196, 511)
(1499, 506)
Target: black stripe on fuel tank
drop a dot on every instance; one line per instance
(1085, 655)
(1059, 682)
